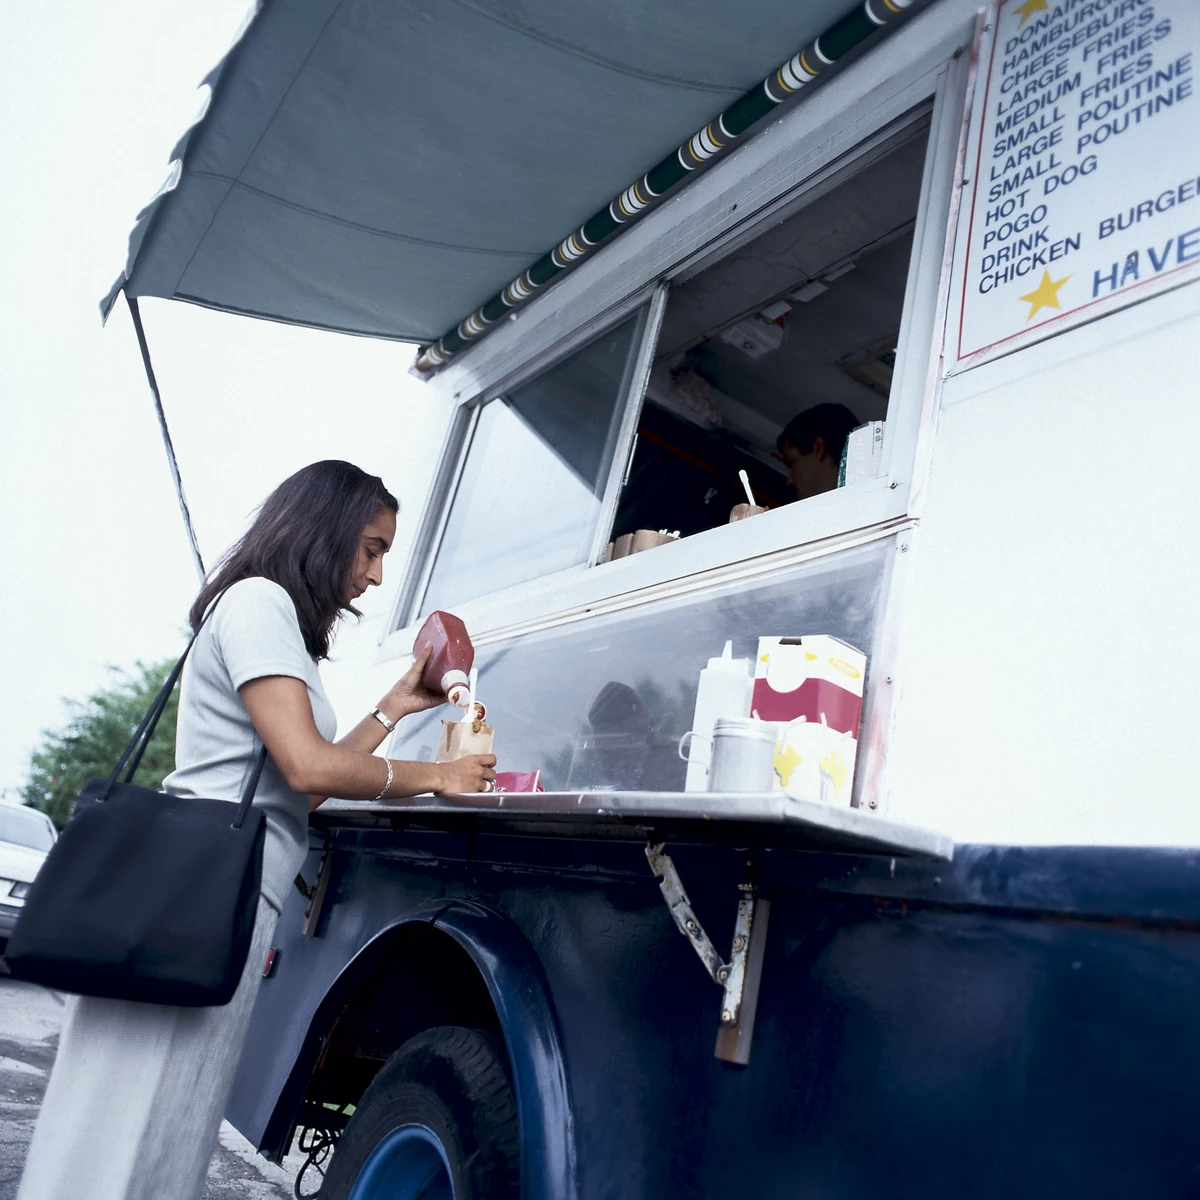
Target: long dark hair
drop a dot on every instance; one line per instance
(305, 537)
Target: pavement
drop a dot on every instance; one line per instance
(30, 1018)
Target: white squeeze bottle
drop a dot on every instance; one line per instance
(725, 688)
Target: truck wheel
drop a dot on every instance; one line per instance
(438, 1122)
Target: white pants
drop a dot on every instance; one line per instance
(137, 1094)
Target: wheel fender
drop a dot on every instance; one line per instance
(520, 993)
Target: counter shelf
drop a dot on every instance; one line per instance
(749, 819)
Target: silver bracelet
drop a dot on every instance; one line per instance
(390, 726)
(387, 785)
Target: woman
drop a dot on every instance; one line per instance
(138, 1090)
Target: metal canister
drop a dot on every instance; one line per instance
(743, 755)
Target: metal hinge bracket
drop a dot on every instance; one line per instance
(317, 893)
(739, 977)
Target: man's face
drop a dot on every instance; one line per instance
(812, 473)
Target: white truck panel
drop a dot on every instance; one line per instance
(1048, 687)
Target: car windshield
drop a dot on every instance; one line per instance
(25, 828)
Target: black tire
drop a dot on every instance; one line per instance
(455, 1082)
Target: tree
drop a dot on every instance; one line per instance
(92, 740)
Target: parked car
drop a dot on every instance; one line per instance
(26, 836)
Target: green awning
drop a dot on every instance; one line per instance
(386, 168)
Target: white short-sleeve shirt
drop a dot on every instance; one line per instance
(253, 632)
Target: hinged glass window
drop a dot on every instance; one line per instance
(532, 484)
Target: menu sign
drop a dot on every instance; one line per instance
(1085, 166)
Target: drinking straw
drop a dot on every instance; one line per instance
(746, 484)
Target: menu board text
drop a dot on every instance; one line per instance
(1086, 163)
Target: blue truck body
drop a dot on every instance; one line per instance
(1016, 1022)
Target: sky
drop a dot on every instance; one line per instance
(95, 569)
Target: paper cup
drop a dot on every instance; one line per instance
(622, 545)
(647, 539)
(739, 512)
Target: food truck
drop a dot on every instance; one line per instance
(633, 242)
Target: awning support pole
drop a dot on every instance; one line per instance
(166, 433)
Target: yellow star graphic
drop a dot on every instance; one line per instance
(1045, 295)
(786, 761)
(1029, 8)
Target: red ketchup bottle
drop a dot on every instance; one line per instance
(449, 666)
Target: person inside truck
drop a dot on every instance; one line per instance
(251, 681)
(811, 446)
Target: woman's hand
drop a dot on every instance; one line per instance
(469, 774)
(409, 695)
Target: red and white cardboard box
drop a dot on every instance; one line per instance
(817, 680)
(818, 677)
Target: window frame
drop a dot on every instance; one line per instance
(647, 305)
(921, 67)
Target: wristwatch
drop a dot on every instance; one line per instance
(389, 725)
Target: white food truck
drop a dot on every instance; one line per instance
(978, 233)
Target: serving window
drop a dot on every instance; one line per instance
(770, 365)
(777, 361)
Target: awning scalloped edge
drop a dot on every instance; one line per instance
(799, 71)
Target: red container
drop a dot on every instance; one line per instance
(449, 666)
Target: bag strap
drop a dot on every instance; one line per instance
(145, 731)
(251, 787)
(133, 752)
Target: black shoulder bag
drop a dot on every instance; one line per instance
(146, 896)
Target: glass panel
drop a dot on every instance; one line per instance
(772, 356)
(601, 703)
(531, 488)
